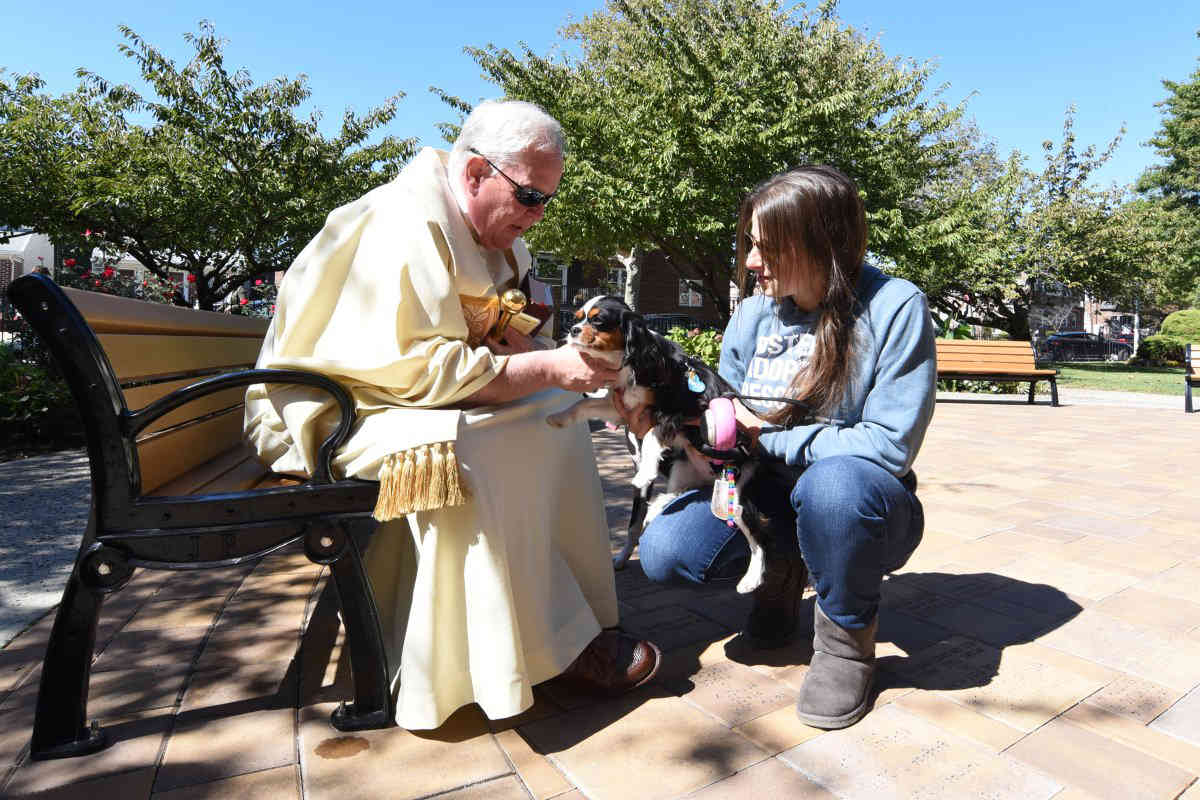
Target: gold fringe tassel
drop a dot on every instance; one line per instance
(420, 479)
(420, 488)
(456, 492)
(437, 477)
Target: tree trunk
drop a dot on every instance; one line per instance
(1018, 324)
(633, 276)
(1137, 324)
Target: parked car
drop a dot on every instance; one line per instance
(1084, 346)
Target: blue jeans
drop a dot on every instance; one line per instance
(852, 520)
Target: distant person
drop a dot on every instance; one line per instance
(493, 571)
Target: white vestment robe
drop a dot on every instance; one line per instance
(485, 593)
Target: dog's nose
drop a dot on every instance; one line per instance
(576, 331)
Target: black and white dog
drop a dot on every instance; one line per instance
(679, 389)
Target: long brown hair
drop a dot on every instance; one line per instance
(812, 227)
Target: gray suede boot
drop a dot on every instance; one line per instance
(838, 685)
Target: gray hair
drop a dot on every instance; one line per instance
(504, 129)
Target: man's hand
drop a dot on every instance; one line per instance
(637, 419)
(513, 342)
(578, 371)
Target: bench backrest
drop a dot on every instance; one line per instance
(1191, 358)
(129, 353)
(154, 349)
(966, 355)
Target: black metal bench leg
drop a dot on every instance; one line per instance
(1032, 386)
(372, 706)
(60, 728)
(1053, 392)
(1187, 397)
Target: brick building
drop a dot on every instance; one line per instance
(663, 291)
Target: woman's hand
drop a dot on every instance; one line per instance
(637, 419)
(747, 420)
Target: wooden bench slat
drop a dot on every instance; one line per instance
(110, 314)
(169, 455)
(997, 374)
(981, 344)
(138, 357)
(986, 355)
(141, 396)
(976, 366)
(216, 473)
(1010, 360)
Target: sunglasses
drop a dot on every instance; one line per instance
(526, 196)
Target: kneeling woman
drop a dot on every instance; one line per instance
(857, 347)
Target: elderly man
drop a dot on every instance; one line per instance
(492, 571)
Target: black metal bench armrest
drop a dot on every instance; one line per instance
(133, 422)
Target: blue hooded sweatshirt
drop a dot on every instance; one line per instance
(888, 404)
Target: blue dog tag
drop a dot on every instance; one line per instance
(694, 382)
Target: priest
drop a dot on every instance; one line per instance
(492, 566)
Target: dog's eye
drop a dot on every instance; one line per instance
(578, 315)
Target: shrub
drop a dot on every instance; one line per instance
(1183, 325)
(1161, 350)
(110, 281)
(36, 408)
(978, 387)
(704, 345)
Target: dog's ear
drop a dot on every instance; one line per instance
(646, 352)
(633, 331)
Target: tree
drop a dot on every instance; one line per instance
(1173, 188)
(226, 182)
(1036, 231)
(674, 110)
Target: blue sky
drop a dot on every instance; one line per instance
(1025, 61)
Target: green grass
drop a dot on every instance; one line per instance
(1116, 377)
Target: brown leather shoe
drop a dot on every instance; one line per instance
(613, 663)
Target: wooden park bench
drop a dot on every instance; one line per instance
(1191, 374)
(160, 391)
(1000, 360)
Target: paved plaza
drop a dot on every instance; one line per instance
(1043, 642)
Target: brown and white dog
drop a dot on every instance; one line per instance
(678, 389)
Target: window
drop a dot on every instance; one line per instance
(689, 294)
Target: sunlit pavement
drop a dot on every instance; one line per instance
(1044, 641)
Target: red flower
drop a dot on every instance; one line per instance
(87, 233)
(97, 283)
(258, 282)
(68, 262)
(108, 272)
(191, 278)
(272, 309)
(243, 301)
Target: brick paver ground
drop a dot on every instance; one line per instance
(1044, 642)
